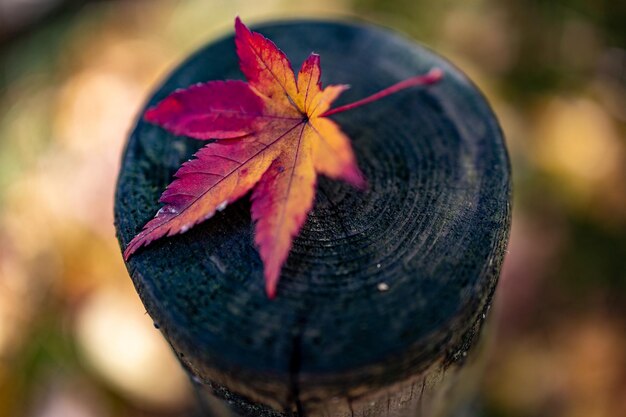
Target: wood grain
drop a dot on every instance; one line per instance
(385, 291)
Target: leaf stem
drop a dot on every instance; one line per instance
(433, 76)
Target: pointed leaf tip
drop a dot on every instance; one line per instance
(270, 290)
(239, 24)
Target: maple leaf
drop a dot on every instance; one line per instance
(273, 136)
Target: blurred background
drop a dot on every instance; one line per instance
(75, 340)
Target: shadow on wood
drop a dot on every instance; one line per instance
(384, 291)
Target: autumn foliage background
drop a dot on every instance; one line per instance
(74, 339)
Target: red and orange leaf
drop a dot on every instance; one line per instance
(332, 153)
(213, 110)
(274, 138)
(267, 69)
(280, 204)
(221, 172)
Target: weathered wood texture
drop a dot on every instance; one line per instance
(433, 227)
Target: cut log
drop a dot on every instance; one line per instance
(384, 292)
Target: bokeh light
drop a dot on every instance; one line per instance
(74, 337)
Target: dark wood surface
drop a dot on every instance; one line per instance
(432, 227)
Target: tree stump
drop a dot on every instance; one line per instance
(384, 291)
